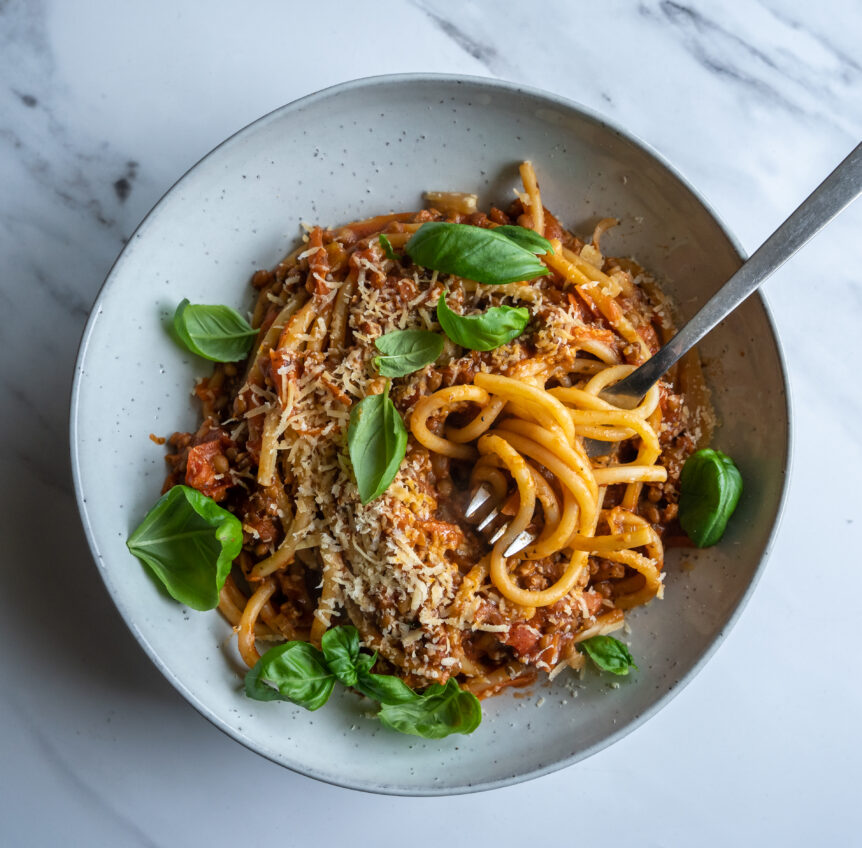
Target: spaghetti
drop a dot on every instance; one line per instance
(426, 588)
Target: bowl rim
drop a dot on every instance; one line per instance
(113, 273)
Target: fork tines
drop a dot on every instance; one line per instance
(482, 498)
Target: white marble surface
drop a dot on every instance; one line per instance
(104, 104)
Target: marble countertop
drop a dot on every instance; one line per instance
(104, 104)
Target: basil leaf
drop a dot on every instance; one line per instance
(485, 256)
(298, 672)
(341, 651)
(494, 327)
(365, 662)
(710, 486)
(353, 667)
(437, 712)
(387, 248)
(528, 239)
(294, 671)
(189, 543)
(385, 688)
(406, 351)
(377, 442)
(217, 333)
(608, 654)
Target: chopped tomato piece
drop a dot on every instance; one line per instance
(201, 472)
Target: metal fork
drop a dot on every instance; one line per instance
(489, 524)
(838, 190)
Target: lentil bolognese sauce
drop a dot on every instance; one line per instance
(381, 394)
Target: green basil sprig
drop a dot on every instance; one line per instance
(377, 442)
(341, 652)
(387, 248)
(528, 239)
(298, 672)
(406, 351)
(475, 253)
(608, 654)
(189, 543)
(294, 671)
(494, 327)
(435, 713)
(710, 486)
(386, 688)
(217, 333)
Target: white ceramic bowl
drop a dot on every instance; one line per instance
(354, 150)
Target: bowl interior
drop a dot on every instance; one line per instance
(361, 149)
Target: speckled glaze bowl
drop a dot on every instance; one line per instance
(363, 148)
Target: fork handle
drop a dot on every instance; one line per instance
(841, 187)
